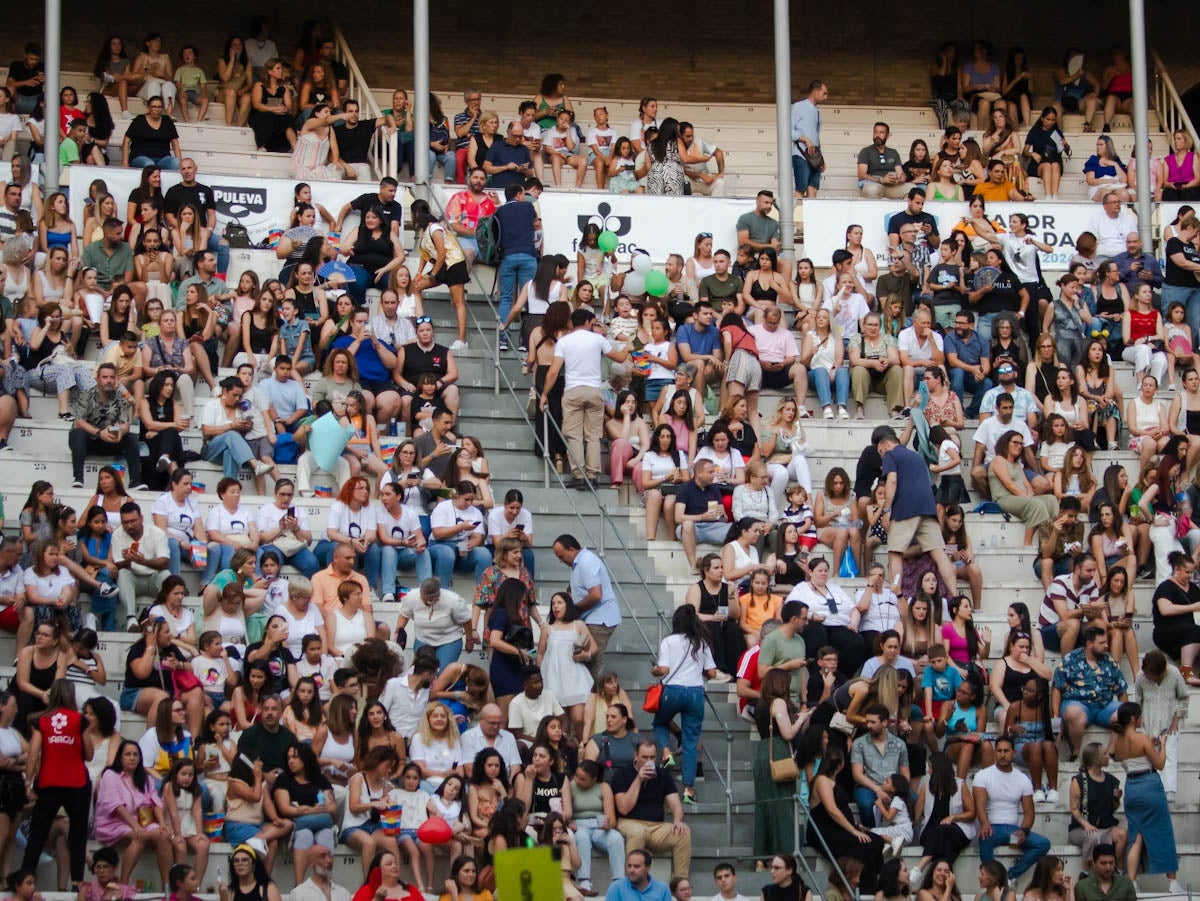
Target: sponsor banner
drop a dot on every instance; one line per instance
(660, 226)
(260, 204)
(1056, 224)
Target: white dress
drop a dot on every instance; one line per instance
(309, 159)
(570, 682)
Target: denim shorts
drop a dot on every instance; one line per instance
(1097, 715)
(409, 834)
(129, 697)
(369, 828)
(236, 833)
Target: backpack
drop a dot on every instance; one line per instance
(487, 237)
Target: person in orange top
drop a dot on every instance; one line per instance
(758, 605)
(341, 568)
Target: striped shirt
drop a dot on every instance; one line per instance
(1063, 589)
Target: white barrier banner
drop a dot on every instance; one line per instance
(260, 204)
(1056, 224)
(660, 226)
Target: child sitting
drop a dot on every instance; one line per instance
(892, 809)
(211, 667)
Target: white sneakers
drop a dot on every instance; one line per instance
(458, 346)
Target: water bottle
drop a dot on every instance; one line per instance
(320, 797)
(392, 427)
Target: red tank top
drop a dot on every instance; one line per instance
(62, 750)
(1142, 325)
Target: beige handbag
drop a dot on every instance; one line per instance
(785, 769)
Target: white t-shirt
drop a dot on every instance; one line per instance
(685, 667)
(907, 342)
(555, 141)
(298, 627)
(179, 624)
(582, 351)
(268, 517)
(531, 132)
(992, 428)
(350, 523)
(446, 514)
(1004, 793)
(49, 586)
(637, 129)
(437, 754)
(853, 309)
(210, 672)
(603, 138)
(181, 518)
(498, 524)
(1021, 257)
(944, 458)
(660, 466)
(657, 370)
(526, 715)
(724, 464)
(404, 526)
(10, 124)
(235, 523)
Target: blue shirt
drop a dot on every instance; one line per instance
(944, 684)
(970, 351)
(1098, 687)
(370, 367)
(698, 342)
(624, 890)
(501, 153)
(914, 490)
(286, 397)
(1125, 266)
(806, 123)
(588, 571)
(290, 334)
(516, 223)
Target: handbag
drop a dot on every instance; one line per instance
(784, 770)
(654, 692)
(814, 156)
(288, 544)
(184, 680)
(841, 724)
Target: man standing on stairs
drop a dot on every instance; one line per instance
(579, 356)
(592, 592)
(910, 507)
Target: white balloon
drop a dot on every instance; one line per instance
(635, 283)
(642, 263)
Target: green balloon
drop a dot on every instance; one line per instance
(607, 241)
(657, 284)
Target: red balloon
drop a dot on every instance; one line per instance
(435, 831)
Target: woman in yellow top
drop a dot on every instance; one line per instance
(757, 606)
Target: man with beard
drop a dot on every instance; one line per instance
(466, 208)
(880, 172)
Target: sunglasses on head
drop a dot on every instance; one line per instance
(421, 320)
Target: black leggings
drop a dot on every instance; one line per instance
(76, 802)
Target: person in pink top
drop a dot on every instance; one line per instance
(466, 208)
(779, 357)
(965, 644)
(129, 812)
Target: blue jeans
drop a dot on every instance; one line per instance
(221, 249)
(962, 381)
(821, 381)
(865, 799)
(1033, 849)
(983, 325)
(1190, 298)
(174, 555)
(392, 559)
(445, 653)
(166, 162)
(515, 270)
(230, 450)
(219, 557)
(304, 559)
(588, 836)
(805, 177)
(367, 563)
(688, 702)
(448, 160)
(447, 562)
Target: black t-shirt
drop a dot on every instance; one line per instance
(18, 71)
(390, 212)
(270, 747)
(1169, 590)
(158, 678)
(302, 794)
(1177, 277)
(1003, 298)
(653, 795)
(418, 360)
(278, 663)
(516, 220)
(695, 500)
(354, 144)
(870, 468)
(904, 217)
(198, 195)
(151, 142)
(816, 687)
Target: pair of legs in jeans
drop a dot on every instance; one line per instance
(962, 381)
(447, 561)
(687, 702)
(1033, 849)
(394, 559)
(515, 270)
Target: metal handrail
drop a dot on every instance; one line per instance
(798, 806)
(1170, 108)
(493, 346)
(384, 147)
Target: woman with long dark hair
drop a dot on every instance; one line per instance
(778, 723)
(831, 831)
(248, 877)
(442, 263)
(1151, 832)
(718, 610)
(539, 358)
(945, 812)
(685, 660)
(511, 640)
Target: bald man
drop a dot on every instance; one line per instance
(489, 734)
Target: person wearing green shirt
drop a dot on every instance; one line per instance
(191, 85)
(784, 648)
(112, 259)
(68, 148)
(1103, 883)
